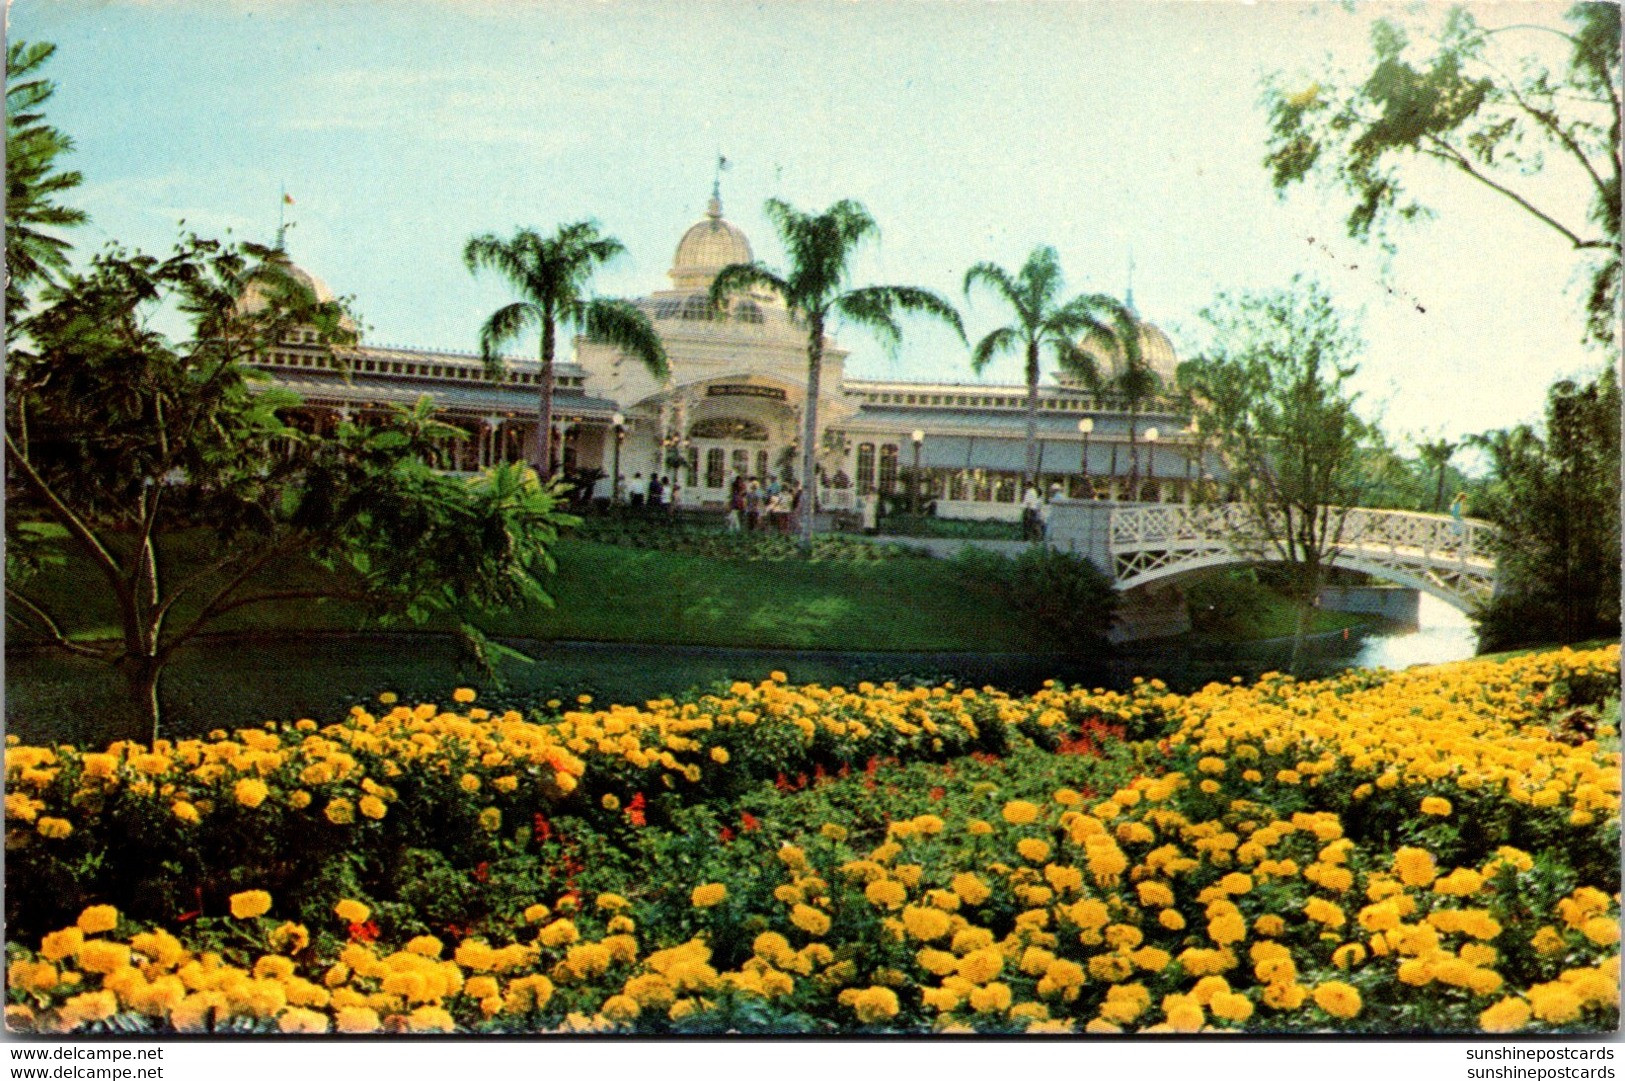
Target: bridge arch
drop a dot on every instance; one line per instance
(1143, 544)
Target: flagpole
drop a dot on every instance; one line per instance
(281, 218)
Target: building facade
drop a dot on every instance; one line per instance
(732, 405)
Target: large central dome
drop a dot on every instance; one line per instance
(706, 248)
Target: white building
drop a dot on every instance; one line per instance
(732, 406)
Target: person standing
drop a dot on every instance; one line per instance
(753, 505)
(736, 504)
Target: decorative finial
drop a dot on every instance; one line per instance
(1128, 296)
(282, 220)
(715, 208)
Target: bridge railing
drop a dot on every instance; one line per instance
(1432, 538)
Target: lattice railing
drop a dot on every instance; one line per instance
(1454, 557)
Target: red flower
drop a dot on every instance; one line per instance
(637, 818)
(939, 792)
(801, 781)
(819, 776)
(845, 770)
(749, 822)
(192, 915)
(727, 834)
(782, 783)
(364, 932)
(482, 871)
(541, 828)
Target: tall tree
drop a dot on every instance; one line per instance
(1556, 496)
(815, 290)
(1436, 456)
(551, 275)
(1272, 388)
(171, 476)
(1043, 319)
(1130, 382)
(1481, 102)
(33, 181)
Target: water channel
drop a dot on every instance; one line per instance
(233, 682)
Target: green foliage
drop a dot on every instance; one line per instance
(1069, 601)
(118, 438)
(1482, 102)
(1556, 497)
(1272, 388)
(34, 253)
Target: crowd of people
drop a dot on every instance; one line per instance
(757, 507)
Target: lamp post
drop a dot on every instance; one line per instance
(918, 438)
(1151, 466)
(619, 421)
(1085, 426)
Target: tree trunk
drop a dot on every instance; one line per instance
(141, 716)
(1438, 494)
(1030, 473)
(1300, 635)
(544, 400)
(809, 429)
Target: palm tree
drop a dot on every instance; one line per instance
(1436, 455)
(1034, 294)
(32, 179)
(819, 247)
(551, 275)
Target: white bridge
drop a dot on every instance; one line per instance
(1141, 544)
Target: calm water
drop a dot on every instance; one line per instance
(238, 682)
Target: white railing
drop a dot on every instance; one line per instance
(1449, 557)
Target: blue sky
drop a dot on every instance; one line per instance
(971, 131)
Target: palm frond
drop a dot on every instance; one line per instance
(876, 307)
(999, 341)
(994, 277)
(739, 277)
(503, 327)
(621, 324)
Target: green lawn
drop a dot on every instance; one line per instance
(606, 593)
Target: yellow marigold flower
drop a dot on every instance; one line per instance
(97, 918)
(1555, 1003)
(184, 811)
(468, 782)
(1032, 850)
(53, 828)
(99, 955)
(874, 1005)
(1171, 919)
(559, 933)
(1229, 1006)
(1020, 812)
(925, 924)
(340, 812)
(981, 965)
(388, 698)
(1415, 866)
(298, 1020)
(87, 1007)
(971, 889)
(977, 828)
(886, 893)
(1348, 955)
(352, 911)
(712, 893)
(1601, 930)
(537, 913)
(59, 944)
(490, 819)
(1270, 925)
(1338, 999)
(463, 695)
(357, 1019)
(250, 903)
(290, 937)
(622, 1009)
(1508, 1015)
(993, 998)
(299, 799)
(1285, 995)
(1436, 805)
(250, 792)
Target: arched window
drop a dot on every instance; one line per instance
(693, 467)
(741, 462)
(713, 467)
(761, 465)
(748, 311)
(888, 468)
(866, 468)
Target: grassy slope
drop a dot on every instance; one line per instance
(612, 594)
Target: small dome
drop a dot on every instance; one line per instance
(706, 248)
(256, 291)
(1156, 353)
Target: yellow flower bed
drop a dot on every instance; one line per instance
(1276, 866)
